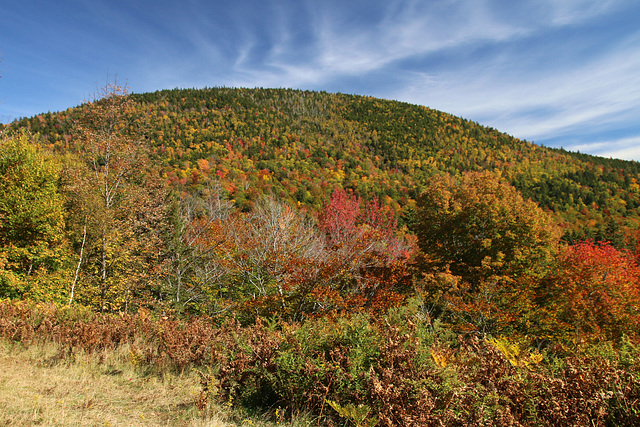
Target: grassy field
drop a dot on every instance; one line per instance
(39, 387)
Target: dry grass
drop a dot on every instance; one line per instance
(39, 388)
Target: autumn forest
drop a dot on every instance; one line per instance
(358, 260)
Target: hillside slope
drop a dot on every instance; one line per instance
(301, 145)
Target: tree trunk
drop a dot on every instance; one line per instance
(103, 273)
(75, 278)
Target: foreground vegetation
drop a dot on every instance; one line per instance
(397, 370)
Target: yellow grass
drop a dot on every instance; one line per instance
(38, 388)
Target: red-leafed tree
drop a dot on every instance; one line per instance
(339, 216)
(594, 293)
(367, 264)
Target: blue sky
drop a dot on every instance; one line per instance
(555, 72)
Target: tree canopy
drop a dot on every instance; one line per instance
(33, 244)
(479, 226)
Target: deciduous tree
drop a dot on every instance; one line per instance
(274, 256)
(34, 257)
(480, 226)
(483, 250)
(366, 267)
(196, 277)
(118, 195)
(593, 294)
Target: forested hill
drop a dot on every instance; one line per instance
(300, 145)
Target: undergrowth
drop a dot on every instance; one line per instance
(397, 370)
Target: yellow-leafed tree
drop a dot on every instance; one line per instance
(34, 251)
(483, 248)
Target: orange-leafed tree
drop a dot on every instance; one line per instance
(593, 294)
(278, 262)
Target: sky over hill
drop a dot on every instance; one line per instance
(556, 72)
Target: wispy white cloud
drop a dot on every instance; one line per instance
(408, 30)
(595, 93)
(535, 95)
(569, 12)
(622, 148)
